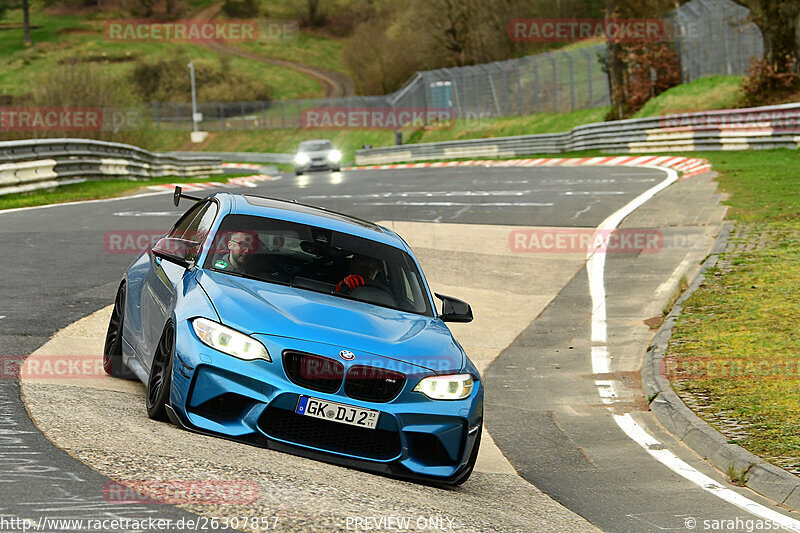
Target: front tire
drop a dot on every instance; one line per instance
(112, 349)
(160, 380)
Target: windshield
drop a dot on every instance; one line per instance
(320, 260)
(315, 146)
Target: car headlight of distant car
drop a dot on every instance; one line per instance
(454, 387)
(334, 156)
(229, 341)
(301, 159)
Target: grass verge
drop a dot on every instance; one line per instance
(93, 190)
(734, 353)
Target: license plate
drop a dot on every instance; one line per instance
(337, 412)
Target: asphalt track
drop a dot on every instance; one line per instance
(57, 270)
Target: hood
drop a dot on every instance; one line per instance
(258, 307)
(317, 153)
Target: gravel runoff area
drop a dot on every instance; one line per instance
(102, 421)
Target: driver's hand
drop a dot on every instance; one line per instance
(350, 282)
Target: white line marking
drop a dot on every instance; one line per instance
(2, 317)
(472, 204)
(606, 389)
(582, 211)
(600, 362)
(595, 268)
(680, 467)
(593, 193)
(81, 202)
(146, 213)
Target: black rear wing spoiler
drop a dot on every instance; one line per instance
(176, 198)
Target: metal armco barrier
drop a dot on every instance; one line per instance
(730, 129)
(45, 163)
(243, 157)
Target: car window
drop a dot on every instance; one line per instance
(316, 146)
(196, 227)
(318, 259)
(180, 226)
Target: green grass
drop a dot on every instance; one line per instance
(286, 140)
(763, 184)
(507, 126)
(92, 190)
(57, 41)
(303, 48)
(749, 315)
(713, 92)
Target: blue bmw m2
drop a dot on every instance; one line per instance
(299, 329)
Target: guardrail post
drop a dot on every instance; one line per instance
(589, 79)
(555, 81)
(537, 87)
(571, 81)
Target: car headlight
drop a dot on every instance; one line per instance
(301, 159)
(229, 341)
(455, 387)
(335, 156)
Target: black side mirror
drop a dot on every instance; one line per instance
(454, 310)
(179, 251)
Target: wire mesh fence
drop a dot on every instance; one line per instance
(715, 37)
(551, 82)
(711, 37)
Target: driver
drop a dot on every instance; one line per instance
(242, 254)
(363, 269)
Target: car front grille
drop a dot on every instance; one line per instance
(373, 384)
(313, 372)
(379, 444)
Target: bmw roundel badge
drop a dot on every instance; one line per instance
(347, 356)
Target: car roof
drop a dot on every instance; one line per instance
(249, 204)
(310, 141)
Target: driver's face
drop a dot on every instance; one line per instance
(242, 246)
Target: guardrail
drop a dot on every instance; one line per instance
(732, 129)
(45, 163)
(242, 157)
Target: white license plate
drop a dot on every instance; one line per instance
(337, 412)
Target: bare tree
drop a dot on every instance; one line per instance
(777, 20)
(26, 22)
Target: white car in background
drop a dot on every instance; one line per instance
(317, 154)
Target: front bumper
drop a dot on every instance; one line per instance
(318, 164)
(254, 402)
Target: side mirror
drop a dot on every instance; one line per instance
(454, 310)
(178, 251)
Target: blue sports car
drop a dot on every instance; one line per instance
(303, 330)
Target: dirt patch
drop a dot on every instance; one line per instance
(17, 27)
(76, 31)
(654, 322)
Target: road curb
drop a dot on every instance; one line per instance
(733, 460)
